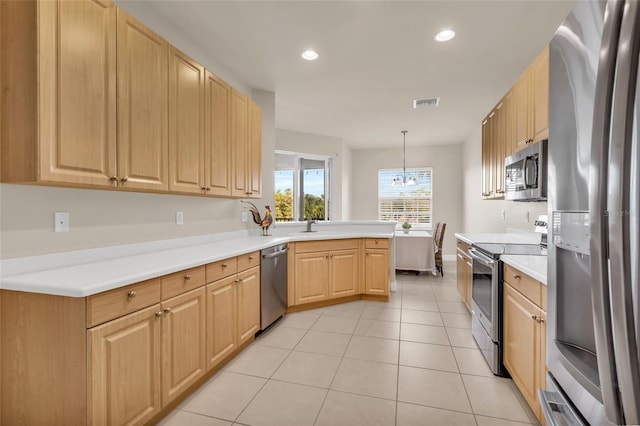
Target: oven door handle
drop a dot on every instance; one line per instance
(484, 260)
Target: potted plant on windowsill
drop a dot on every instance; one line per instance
(406, 226)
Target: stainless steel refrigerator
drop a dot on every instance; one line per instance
(593, 196)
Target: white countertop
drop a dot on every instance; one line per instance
(534, 266)
(516, 238)
(85, 272)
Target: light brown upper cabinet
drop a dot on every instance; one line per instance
(142, 106)
(520, 117)
(217, 136)
(186, 124)
(122, 109)
(533, 102)
(59, 92)
(246, 132)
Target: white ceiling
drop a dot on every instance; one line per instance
(375, 58)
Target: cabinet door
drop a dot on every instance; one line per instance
(77, 91)
(499, 137)
(540, 102)
(186, 124)
(542, 360)
(239, 144)
(222, 325)
(143, 105)
(460, 274)
(217, 136)
(486, 160)
(521, 100)
(343, 273)
(468, 281)
(124, 369)
(183, 343)
(254, 154)
(377, 272)
(311, 277)
(521, 343)
(248, 286)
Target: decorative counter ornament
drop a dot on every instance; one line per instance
(406, 226)
(265, 222)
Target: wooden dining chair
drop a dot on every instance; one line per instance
(438, 236)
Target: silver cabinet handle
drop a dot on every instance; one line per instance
(516, 277)
(224, 265)
(187, 277)
(159, 313)
(534, 317)
(167, 310)
(124, 179)
(132, 294)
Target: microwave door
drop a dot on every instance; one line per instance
(530, 172)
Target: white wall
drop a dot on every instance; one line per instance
(287, 140)
(446, 161)
(101, 218)
(485, 215)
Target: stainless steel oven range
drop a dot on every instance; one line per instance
(486, 297)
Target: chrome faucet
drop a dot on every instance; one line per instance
(310, 222)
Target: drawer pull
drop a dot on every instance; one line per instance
(239, 280)
(535, 318)
(124, 179)
(132, 294)
(250, 257)
(539, 320)
(224, 265)
(187, 277)
(159, 313)
(167, 310)
(516, 277)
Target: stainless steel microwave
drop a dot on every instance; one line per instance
(526, 173)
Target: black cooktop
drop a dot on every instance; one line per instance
(496, 249)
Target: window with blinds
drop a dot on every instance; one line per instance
(400, 203)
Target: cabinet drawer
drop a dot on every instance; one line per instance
(175, 284)
(248, 260)
(221, 269)
(464, 246)
(382, 243)
(326, 245)
(524, 284)
(103, 307)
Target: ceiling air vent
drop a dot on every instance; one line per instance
(425, 103)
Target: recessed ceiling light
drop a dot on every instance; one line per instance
(445, 35)
(310, 55)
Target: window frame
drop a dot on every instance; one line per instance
(415, 171)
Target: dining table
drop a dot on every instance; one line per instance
(415, 251)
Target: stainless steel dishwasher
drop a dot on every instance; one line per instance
(273, 284)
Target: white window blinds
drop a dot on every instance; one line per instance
(411, 203)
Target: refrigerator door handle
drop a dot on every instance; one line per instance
(618, 201)
(598, 207)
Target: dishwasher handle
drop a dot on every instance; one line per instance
(276, 254)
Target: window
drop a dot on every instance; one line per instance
(412, 203)
(302, 183)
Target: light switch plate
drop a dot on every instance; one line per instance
(179, 218)
(61, 221)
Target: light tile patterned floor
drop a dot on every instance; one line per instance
(409, 362)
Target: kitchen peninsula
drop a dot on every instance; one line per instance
(164, 316)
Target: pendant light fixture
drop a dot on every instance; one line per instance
(403, 180)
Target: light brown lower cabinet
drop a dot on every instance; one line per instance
(248, 285)
(524, 344)
(464, 271)
(124, 369)
(123, 356)
(183, 343)
(320, 271)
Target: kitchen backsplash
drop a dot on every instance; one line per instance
(520, 215)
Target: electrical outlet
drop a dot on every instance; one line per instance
(179, 218)
(61, 222)
(503, 215)
(526, 216)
